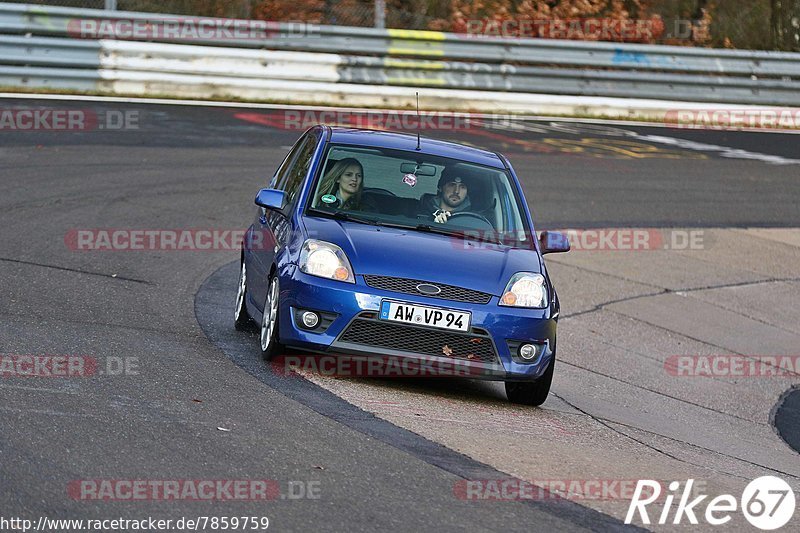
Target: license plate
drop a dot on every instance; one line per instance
(425, 316)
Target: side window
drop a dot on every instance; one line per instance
(279, 179)
(298, 169)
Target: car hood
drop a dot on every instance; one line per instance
(412, 254)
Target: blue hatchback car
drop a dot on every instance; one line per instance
(370, 243)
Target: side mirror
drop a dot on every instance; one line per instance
(271, 199)
(553, 242)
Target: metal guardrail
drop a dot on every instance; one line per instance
(53, 78)
(33, 37)
(16, 50)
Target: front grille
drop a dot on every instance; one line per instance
(417, 340)
(409, 286)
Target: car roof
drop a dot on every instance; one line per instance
(408, 142)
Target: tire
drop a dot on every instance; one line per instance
(241, 317)
(531, 392)
(268, 333)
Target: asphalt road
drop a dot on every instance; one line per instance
(189, 167)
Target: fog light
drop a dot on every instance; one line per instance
(527, 352)
(310, 319)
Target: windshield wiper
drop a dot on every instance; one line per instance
(460, 232)
(344, 215)
(427, 228)
(450, 232)
(432, 229)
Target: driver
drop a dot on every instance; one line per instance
(452, 197)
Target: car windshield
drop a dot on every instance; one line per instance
(418, 191)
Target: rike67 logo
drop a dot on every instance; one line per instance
(768, 503)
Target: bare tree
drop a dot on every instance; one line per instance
(784, 24)
(776, 24)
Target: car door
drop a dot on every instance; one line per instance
(270, 232)
(258, 240)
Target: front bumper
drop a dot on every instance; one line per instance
(348, 303)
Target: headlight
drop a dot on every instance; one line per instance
(326, 260)
(525, 289)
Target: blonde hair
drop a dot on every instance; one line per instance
(329, 184)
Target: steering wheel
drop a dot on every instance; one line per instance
(470, 214)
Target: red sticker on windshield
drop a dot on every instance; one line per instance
(410, 179)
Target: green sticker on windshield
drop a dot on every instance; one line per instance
(328, 199)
